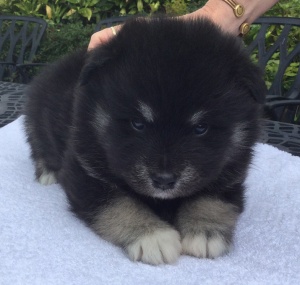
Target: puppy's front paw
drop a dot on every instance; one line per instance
(160, 246)
(43, 174)
(47, 178)
(204, 246)
(207, 226)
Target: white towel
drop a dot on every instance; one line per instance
(42, 243)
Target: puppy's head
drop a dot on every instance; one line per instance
(168, 106)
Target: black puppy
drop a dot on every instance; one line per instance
(151, 136)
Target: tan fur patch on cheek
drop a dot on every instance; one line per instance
(239, 135)
(102, 119)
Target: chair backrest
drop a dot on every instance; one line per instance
(20, 37)
(279, 51)
(109, 22)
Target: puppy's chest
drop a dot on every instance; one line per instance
(165, 209)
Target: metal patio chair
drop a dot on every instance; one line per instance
(19, 40)
(283, 104)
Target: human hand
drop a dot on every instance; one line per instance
(103, 36)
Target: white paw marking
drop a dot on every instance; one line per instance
(47, 178)
(161, 246)
(203, 247)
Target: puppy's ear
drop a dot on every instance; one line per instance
(252, 79)
(95, 60)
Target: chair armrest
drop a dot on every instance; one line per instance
(284, 110)
(24, 70)
(282, 102)
(6, 63)
(31, 64)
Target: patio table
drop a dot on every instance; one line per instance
(12, 99)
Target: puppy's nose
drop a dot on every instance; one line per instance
(164, 180)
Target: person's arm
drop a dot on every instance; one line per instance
(216, 10)
(222, 14)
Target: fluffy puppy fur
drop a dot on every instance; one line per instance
(151, 136)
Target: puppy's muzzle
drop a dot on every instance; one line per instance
(164, 180)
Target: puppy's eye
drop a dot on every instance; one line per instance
(201, 129)
(137, 124)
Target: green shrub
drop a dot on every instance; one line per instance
(176, 7)
(193, 5)
(63, 39)
(23, 8)
(85, 11)
(285, 8)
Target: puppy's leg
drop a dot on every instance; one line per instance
(47, 162)
(46, 146)
(206, 226)
(140, 232)
(118, 217)
(43, 174)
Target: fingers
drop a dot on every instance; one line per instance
(103, 36)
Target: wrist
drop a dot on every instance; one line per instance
(223, 15)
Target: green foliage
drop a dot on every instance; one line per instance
(85, 11)
(176, 7)
(193, 5)
(63, 39)
(73, 11)
(55, 13)
(23, 8)
(285, 8)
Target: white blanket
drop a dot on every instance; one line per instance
(42, 243)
